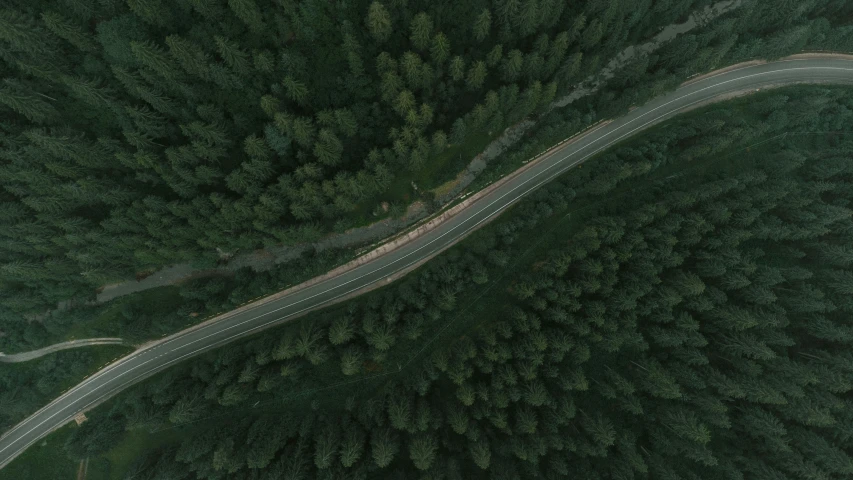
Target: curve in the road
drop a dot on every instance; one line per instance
(149, 360)
(31, 355)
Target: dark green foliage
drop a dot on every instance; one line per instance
(94, 437)
(144, 133)
(697, 331)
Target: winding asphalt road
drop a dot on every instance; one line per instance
(147, 361)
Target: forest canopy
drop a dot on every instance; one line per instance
(702, 329)
(141, 133)
(699, 330)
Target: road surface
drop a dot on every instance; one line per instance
(147, 361)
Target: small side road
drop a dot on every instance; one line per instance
(26, 356)
(83, 469)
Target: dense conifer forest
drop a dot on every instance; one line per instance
(677, 309)
(686, 325)
(142, 133)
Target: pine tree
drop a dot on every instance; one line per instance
(92, 93)
(439, 141)
(351, 360)
(421, 31)
(155, 58)
(391, 86)
(549, 92)
(440, 49)
(476, 75)
(152, 11)
(341, 330)
(185, 410)
(233, 395)
(190, 56)
(326, 446)
(235, 57)
(296, 90)
(400, 413)
(592, 35)
(209, 9)
(65, 29)
(384, 446)
(457, 68)
(458, 419)
(405, 102)
(512, 65)
(249, 13)
(528, 17)
(302, 130)
(353, 49)
(352, 446)
(346, 122)
(21, 32)
(494, 56)
(422, 450)
(379, 22)
(482, 25)
(36, 109)
(507, 11)
(412, 67)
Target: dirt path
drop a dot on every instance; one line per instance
(25, 356)
(82, 469)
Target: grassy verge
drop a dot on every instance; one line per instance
(104, 322)
(409, 186)
(135, 444)
(45, 460)
(456, 158)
